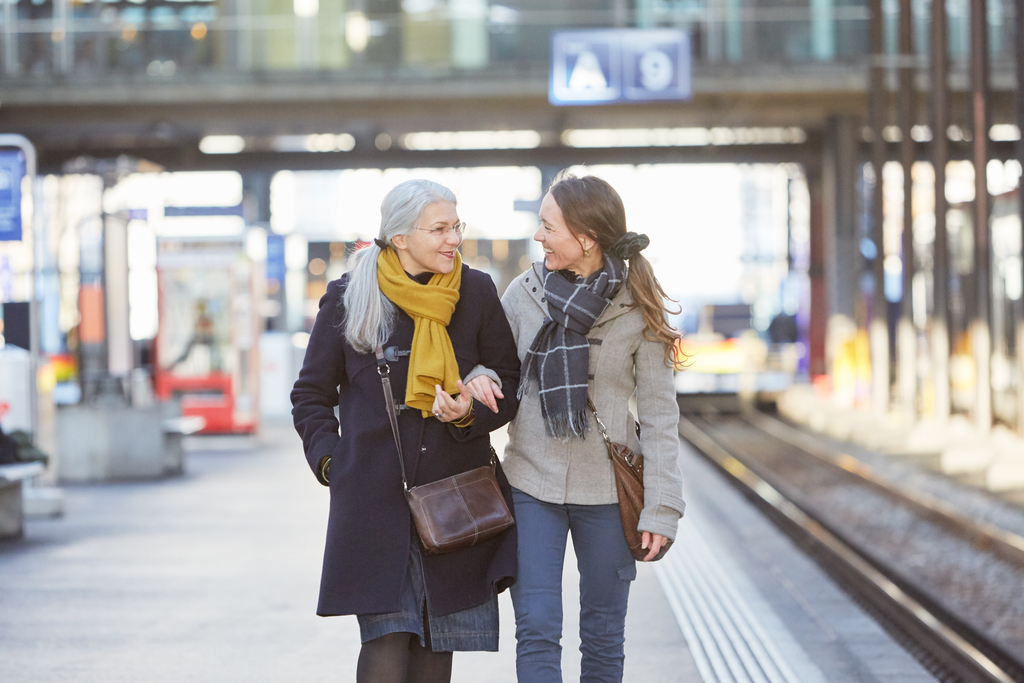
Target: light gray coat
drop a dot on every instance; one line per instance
(622, 362)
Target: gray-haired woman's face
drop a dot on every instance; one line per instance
(431, 247)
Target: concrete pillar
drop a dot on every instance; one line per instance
(256, 212)
(120, 358)
(256, 197)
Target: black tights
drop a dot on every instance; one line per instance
(399, 658)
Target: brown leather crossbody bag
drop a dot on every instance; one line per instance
(453, 513)
(629, 483)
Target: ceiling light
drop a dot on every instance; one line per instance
(1004, 132)
(682, 137)
(222, 144)
(320, 142)
(357, 31)
(472, 139)
(306, 8)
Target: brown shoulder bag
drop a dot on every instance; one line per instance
(629, 482)
(453, 513)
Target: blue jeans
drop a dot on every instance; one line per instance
(606, 569)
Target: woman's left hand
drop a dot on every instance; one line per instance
(485, 390)
(652, 541)
(448, 409)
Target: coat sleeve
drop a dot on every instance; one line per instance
(659, 440)
(315, 394)
(498, 354)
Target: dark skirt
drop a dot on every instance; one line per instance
(473, 629)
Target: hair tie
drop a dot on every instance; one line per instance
(380, 243)
(629, 245)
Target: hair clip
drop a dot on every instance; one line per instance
(380, 243)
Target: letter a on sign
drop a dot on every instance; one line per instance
(587, 74)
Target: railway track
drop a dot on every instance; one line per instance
(950, 588)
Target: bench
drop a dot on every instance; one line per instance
(12, 508)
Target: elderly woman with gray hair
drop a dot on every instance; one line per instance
(438, 323)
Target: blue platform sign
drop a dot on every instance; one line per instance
(619, 65)
(12, 170)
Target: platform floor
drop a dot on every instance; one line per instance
(213, 577)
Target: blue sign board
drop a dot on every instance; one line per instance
(619, 65)
(275, 259)
(12, 170)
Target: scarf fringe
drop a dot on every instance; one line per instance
(524, 384)
(565, 426)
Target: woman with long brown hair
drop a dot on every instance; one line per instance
(590, 328)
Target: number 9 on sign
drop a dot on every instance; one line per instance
(656, 71)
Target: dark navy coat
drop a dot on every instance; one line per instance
(368, 531)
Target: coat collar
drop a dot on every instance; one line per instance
(533, 283)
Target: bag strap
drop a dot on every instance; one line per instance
(384, 370)
(630, 458)
(385, 377)
(600, 425)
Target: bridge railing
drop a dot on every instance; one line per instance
(89, 41)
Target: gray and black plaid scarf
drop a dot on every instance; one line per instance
(559, 357)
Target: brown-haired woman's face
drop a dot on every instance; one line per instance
(561, 248)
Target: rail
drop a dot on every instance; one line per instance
(790, 474)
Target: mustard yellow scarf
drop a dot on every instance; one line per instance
(432, 360)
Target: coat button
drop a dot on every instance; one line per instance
(542, 300)
(535, 289)
(622, 305)
(527, 279)
(423, 449)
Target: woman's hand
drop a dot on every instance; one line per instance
(448, 409)
(652, 541)
(485, 390)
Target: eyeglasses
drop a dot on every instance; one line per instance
(442, 233)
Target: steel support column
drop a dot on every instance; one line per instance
(940, 256)
(10, 39)
(816, 272)
(879, 326)
(981, 317)
(1020, 206)
(906, 335)
(839, 221)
